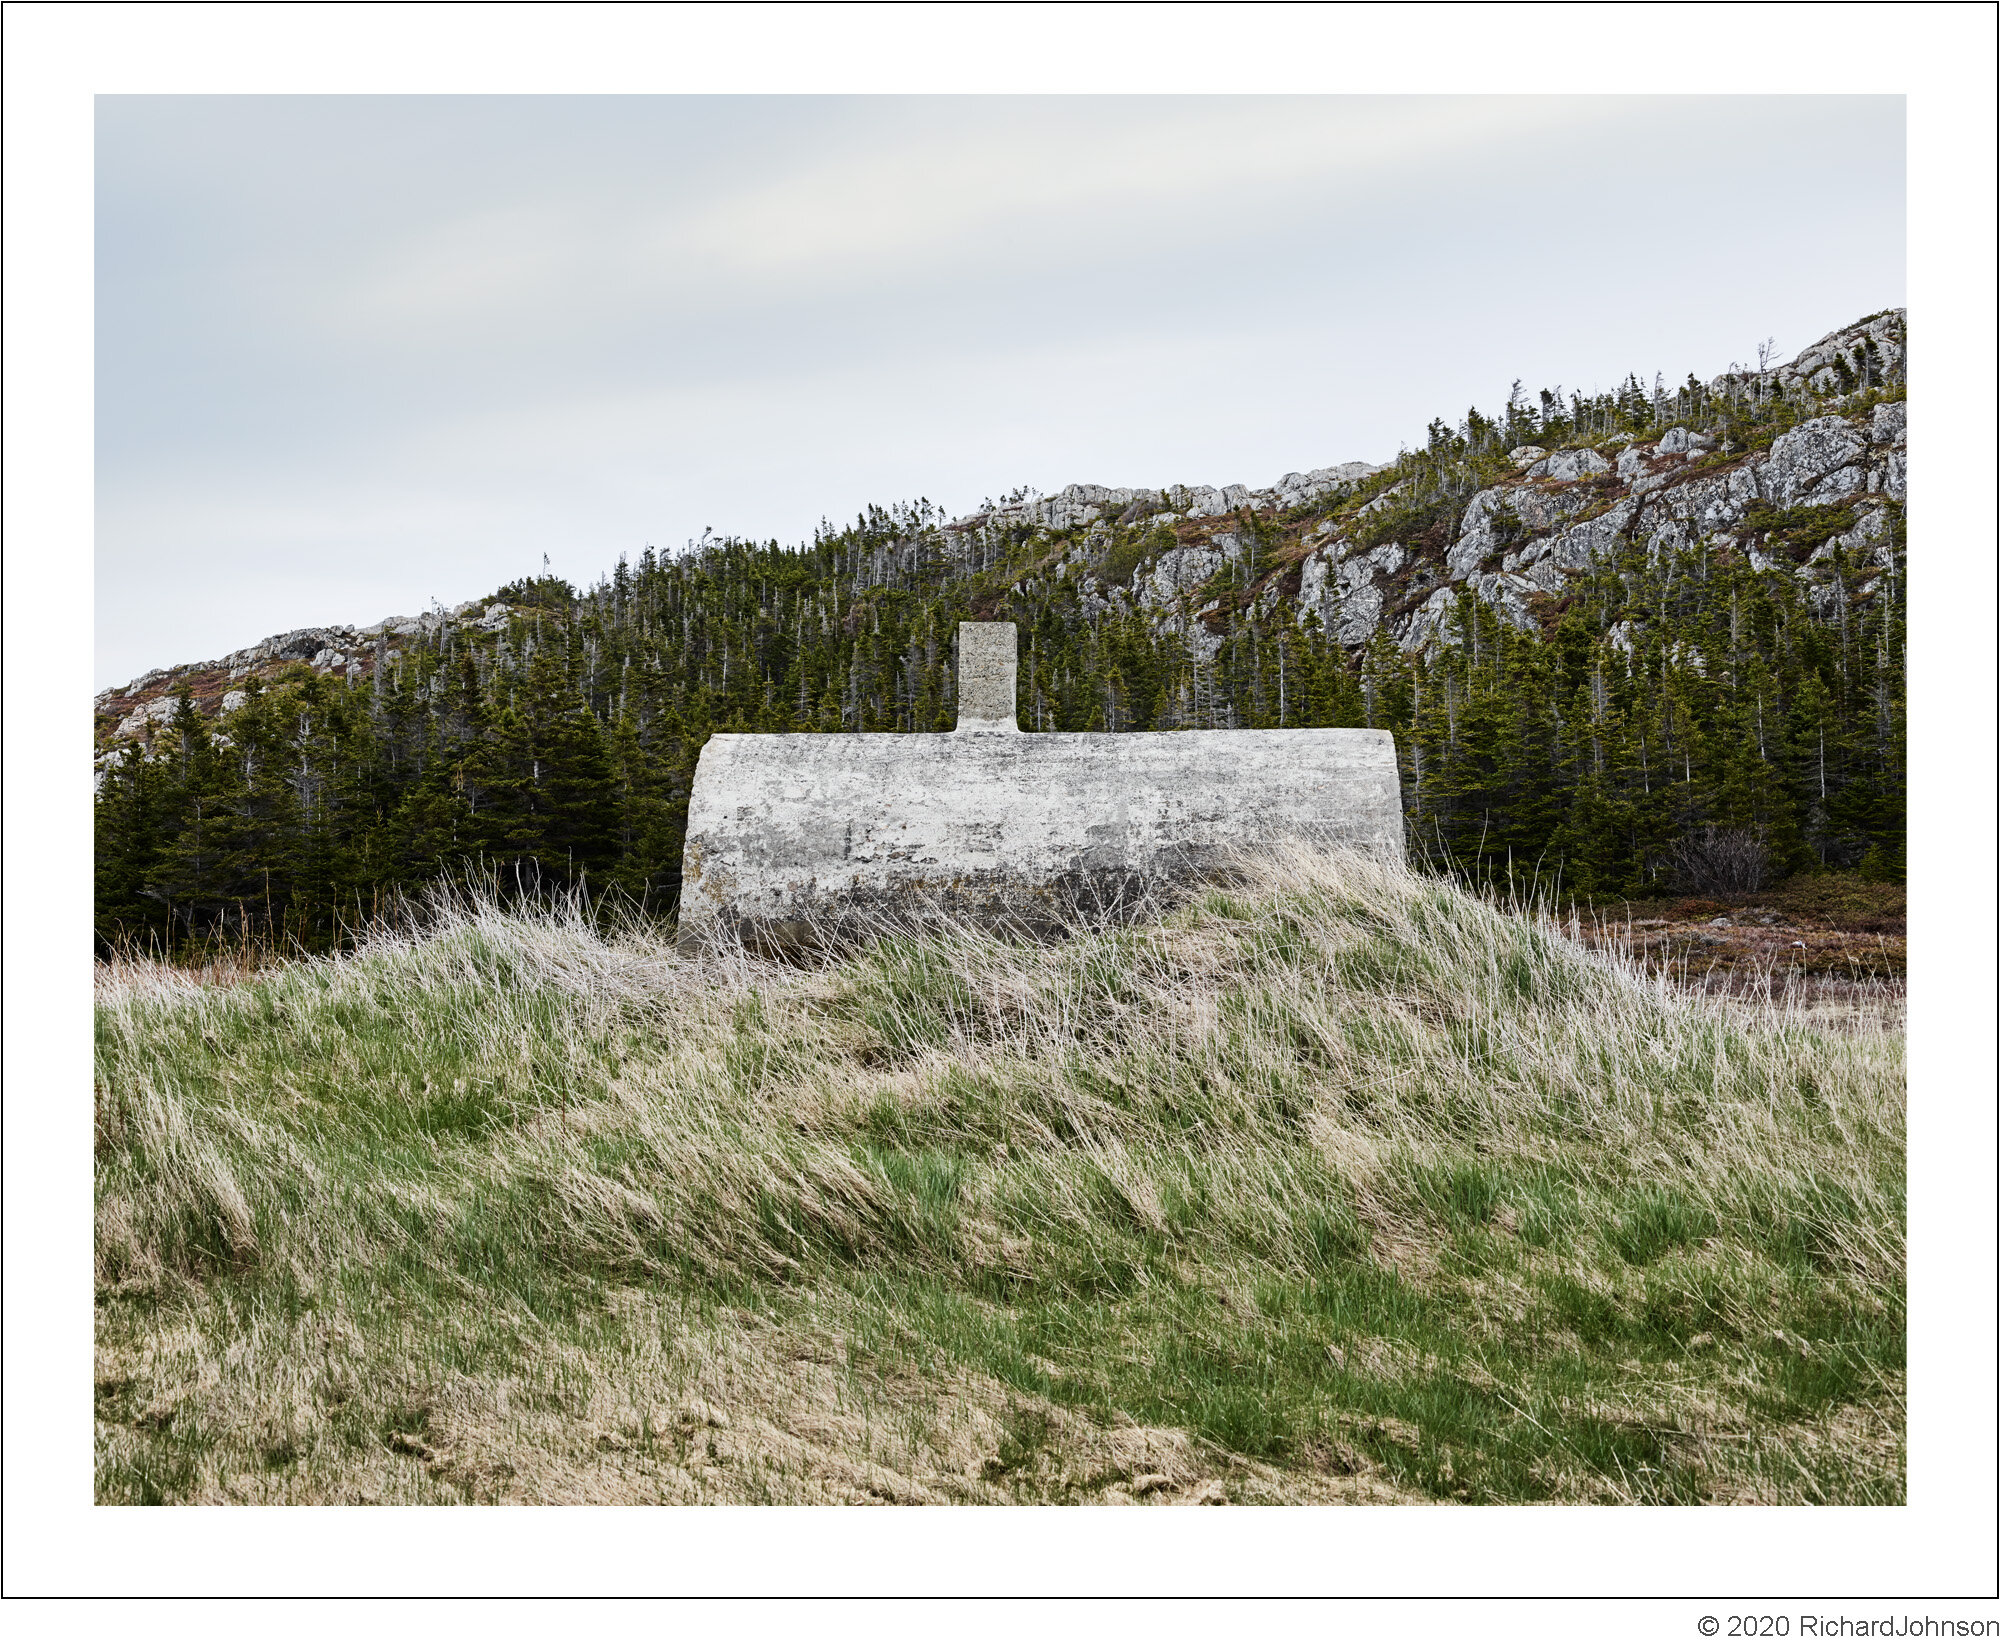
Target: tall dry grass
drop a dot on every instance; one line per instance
(1334, 1183)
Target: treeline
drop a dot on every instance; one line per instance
(1661, 698)
(1587, 758)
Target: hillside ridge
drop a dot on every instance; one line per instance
(1572, 502)
(1606, 632)
(1801, 471)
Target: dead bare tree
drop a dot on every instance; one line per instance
(1726, 862)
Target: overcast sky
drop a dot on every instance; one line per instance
(355, 354)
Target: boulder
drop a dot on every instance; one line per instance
(1298, 488)
(1206, 502)
(1526, 454)
(1569, 465)
(157, 712)
(1631, 463)
(1674, 440)
(299, 646)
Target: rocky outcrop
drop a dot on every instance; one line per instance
(1084, 505)
(1670, 495)
(1348, 595)
(134, 712)
(1817, 462)
(156, 712)
(1178, 572)
(1569, 465)
(1870, 352)
(1677, 442)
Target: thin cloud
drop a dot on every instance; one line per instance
(357, 352)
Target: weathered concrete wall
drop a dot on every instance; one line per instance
(789, 833)
(989, 657)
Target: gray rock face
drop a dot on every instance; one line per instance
(1077, 506)
(1296, 490)
(1683, 440)
(1506, 593)
(1569, 465)
(1360, 614)
(1537, 511)
(1315, 593)
(1632, 463)
(1083, 505)
(1388, 559)
(1346, 595)
(152, 677)
(1422, 626)
(1894, 481)
(1178, 571)
(1817, 462)
(1578, 546)
(1206, 502)
(1868, 540)
(1383, 499)
(1701, 507)
(301, 645)
(146, 715)
(1478, 533)
(797, 835)
(1513, 540)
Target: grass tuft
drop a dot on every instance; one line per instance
(1333, 1185)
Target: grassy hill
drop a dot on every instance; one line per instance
(1336, 1185)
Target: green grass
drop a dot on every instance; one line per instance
(1336, 1186)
